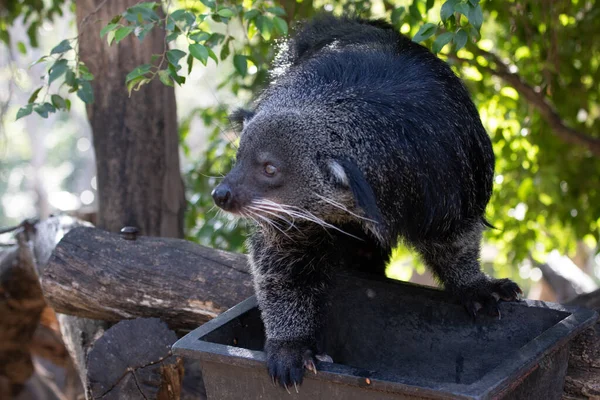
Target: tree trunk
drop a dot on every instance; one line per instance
(135, 139)
(139, 184)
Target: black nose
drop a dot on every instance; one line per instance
(222, 196)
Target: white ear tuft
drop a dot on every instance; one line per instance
(338, 173)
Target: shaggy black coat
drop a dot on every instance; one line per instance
(362, 138)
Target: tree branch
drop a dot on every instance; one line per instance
(536, 99)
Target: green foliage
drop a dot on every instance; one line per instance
(71, 73)
(546, 195)
(34, 13)
(203, 223)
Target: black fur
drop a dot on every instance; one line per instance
(363, 137)
(238, 117)
(362, 192)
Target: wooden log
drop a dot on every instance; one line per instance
(100, 275)
(141, 346)
(583, 373)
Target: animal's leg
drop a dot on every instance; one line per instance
(456, 263)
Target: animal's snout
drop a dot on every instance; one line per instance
(222, 196)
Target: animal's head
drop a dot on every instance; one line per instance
(290, 170)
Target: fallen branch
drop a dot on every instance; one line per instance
(100, 275)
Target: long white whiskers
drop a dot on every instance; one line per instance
(343, 208)
(296, 212)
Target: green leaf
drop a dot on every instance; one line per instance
(61, 47)
(172, 36)
(397, 15)
(136, 84)
(24, 111)
(199, 36)
(190, 63)
(107, 29)
(251, 14)
(226, 12)
(280, 25)
(57, 69)
(84, 72)
(214, 39)
(429, 4)
(264, 26)
(122, 33)
(175, 55)
(225, 50)
(34, 95)
(460, 39)
(141, 12)
(141, 33)
(199, 51)
(173, 73)
(425, 32)
(21, 47)
(68, 104)
(150, 5)
(241, 64)
(441, 41)
(414, 11)
(277, 11)
(39, 60)
(185, 17)
(32, 33)
(110, 37)
(5, 37)
(164, 77)
(58, 101)
(140, 70)
(44, 109)
(447, 9)
(212, 55)
(86, 93)
(209, 3)
(475, 16)
(462, 8)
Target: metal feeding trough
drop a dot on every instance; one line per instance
(393, 340)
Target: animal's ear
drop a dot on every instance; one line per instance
(239, 118)
(347, 174)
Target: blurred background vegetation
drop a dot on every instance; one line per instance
(532, 67)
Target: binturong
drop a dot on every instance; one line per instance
(362, 138)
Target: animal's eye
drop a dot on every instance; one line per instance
(270, 169)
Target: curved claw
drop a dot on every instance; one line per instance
(485, 296)
(286, 361)
(309, 364)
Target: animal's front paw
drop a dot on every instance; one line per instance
(287, 359)
(483, 295)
